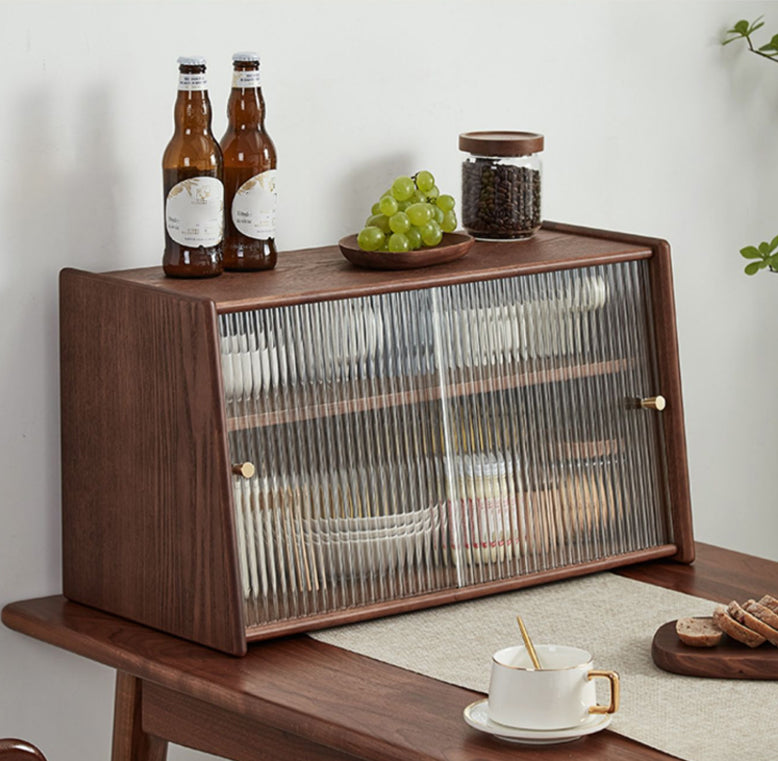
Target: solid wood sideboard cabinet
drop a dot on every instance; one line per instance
(266, 453)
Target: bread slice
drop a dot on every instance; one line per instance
(698, 632)
(769, 602)
(734, 629)
(745, 617)
(762, 612)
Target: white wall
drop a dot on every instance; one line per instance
(651, 127)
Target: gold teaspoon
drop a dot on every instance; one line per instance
(528, 644)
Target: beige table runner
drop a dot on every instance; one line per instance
(613, 617)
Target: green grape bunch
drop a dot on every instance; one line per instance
(411, 214)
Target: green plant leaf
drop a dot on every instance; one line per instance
(753, 267)
(750, 252)
(758, 24)
(774, 243)
(741, 27)
(772, 261)
(764, 248)
(735, 36)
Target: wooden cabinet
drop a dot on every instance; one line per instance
(266, 453)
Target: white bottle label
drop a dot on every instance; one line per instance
(254, 206)
(194, 212)
(191, 82)
(245, 79)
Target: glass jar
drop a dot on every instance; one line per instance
(484, 509)
(501, 184)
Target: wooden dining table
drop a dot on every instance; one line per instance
(297, 698)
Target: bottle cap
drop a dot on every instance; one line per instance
(246, 56)
(191, 60)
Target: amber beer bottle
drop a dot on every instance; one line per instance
(249, 173)
(192, 178)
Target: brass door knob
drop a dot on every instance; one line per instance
(653, 403)
(245, 469)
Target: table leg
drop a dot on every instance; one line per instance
(130, 742)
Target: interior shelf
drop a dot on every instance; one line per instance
(293, 404)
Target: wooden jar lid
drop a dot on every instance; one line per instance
(499, 143)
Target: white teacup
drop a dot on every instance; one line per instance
(559, 695)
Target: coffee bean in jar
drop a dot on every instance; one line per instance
(501, 181)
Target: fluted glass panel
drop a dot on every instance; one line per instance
(425, 440)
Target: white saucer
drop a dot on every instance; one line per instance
(477, 716)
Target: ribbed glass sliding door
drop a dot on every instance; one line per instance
(424, 440)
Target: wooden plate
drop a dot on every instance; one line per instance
(728, 660)
(453, 246)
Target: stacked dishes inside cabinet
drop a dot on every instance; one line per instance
(414, 441)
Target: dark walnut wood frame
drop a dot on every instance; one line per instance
(148, 528)
(296, 698)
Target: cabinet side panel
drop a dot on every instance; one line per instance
(670, 376)
(147, 519)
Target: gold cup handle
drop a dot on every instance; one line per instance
(613, 680)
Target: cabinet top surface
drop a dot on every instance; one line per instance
(315, 274)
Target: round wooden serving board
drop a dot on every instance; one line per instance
(453, 246)
(727, 660)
